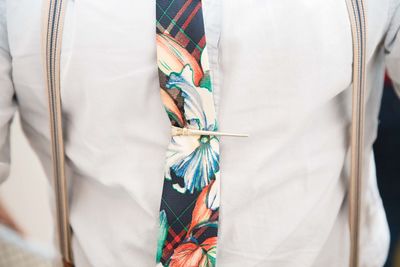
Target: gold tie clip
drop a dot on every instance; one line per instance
(177, 131)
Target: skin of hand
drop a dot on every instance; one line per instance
(7, 220)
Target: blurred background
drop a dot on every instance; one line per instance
(387, 157)
(26, 197)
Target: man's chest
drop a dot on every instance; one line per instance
(268, 55)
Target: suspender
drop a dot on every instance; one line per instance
(53, 19)
(54, 13)
(356, 11)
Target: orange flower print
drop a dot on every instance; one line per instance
(203, 210)
(192, 254)
(172, 57)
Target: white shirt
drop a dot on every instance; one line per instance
(282, 73)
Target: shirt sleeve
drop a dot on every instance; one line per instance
(7, 96)
(392, 45)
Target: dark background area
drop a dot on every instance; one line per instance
(387, 156)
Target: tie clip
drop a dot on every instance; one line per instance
(177, 131)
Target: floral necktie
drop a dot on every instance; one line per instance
(190, 198)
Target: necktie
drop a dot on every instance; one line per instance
(190, 199)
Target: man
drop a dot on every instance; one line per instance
(282, 73)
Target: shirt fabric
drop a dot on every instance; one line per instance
(282, 73)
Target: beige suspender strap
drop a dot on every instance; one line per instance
(356, 10)
(53, 19)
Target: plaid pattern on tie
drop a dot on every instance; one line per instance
(183, 20)
(190, 198)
